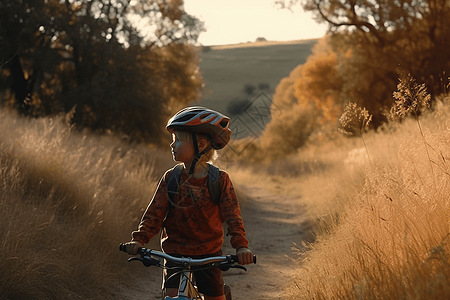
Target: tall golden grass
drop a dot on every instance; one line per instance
(66, 202)
(67, 199)
(383, 223)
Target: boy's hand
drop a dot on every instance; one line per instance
(245, 256)
(132, 247)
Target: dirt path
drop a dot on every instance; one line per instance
(273, 223)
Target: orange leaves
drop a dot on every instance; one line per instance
(320, 84)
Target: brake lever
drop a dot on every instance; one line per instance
(239, 267)
(227, 266)
(146, 261)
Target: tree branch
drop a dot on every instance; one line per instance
(354, 21)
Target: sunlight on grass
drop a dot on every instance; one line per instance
(67, 200)
(380, 221)
(390, 231)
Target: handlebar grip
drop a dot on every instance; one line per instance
(236, 259)
(123, 248)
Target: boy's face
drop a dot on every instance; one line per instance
(182, 148)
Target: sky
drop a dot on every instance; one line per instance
(240, 21)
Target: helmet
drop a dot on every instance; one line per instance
(203, 120)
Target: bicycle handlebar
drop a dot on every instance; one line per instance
(226, 261)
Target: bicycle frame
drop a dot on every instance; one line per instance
(184, 284)
(185, 290)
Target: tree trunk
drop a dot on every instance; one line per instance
(19, 86)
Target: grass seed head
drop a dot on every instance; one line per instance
(354, 119)
(410, 98)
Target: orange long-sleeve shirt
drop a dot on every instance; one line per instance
(194, 224)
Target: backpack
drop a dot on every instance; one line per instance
(213, 186)
(213, 183)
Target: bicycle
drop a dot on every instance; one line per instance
(185, 266)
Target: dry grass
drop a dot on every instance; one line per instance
(66, 202)
(384, 225)
(68, 199)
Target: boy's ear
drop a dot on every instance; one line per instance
(202, 144)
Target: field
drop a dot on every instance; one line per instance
(67, 201)
(381, 216)
(228, 70)
(376, 205)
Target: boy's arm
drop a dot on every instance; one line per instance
(231, 213)
(154, 215)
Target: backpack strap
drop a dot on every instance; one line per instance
(214, 184)
(172, 185)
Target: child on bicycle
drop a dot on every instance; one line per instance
(192, 224)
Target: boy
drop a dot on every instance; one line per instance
(192, 223)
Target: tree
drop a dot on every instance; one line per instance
(373, 38)
(94, 55)
(290, 130)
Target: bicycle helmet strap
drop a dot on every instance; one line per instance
(197, 153)
(196, 157)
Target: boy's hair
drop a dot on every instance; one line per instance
(209, 156)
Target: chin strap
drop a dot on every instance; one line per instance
(197, 153)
